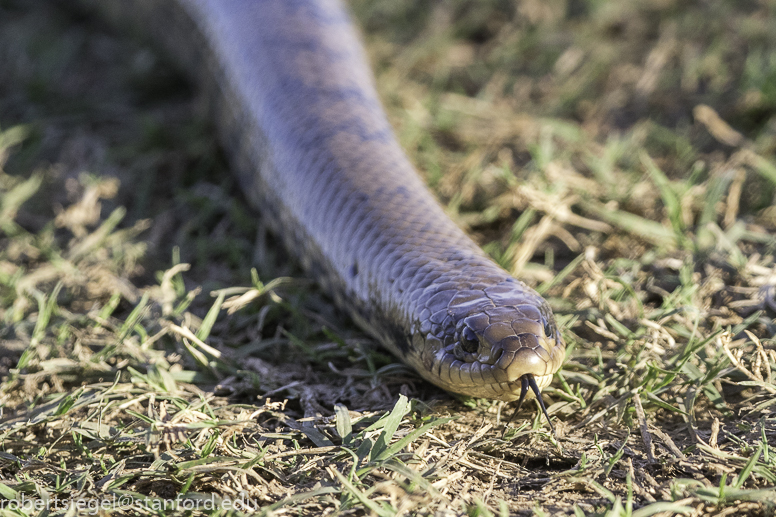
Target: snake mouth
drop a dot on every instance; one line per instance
(518, 389)
(541, 382)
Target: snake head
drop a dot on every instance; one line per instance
(502, 334)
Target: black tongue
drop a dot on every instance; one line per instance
(538, 393)
(527, 381)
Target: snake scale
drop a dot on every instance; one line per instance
(299, 116)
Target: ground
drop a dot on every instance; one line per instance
(159, 348)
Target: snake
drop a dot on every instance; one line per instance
(298, 114)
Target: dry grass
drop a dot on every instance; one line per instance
(617, 155)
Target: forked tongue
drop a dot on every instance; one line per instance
(528, 381)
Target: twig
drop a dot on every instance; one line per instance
(644, 428)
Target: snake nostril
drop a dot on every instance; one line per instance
(469, 342)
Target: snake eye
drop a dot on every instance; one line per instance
(469, 342)
(548, 330)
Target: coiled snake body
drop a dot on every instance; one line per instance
(300, 118)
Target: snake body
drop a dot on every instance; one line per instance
(300, 118)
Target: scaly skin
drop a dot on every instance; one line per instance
(300, 118)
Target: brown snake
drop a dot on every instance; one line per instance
(299, 116)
